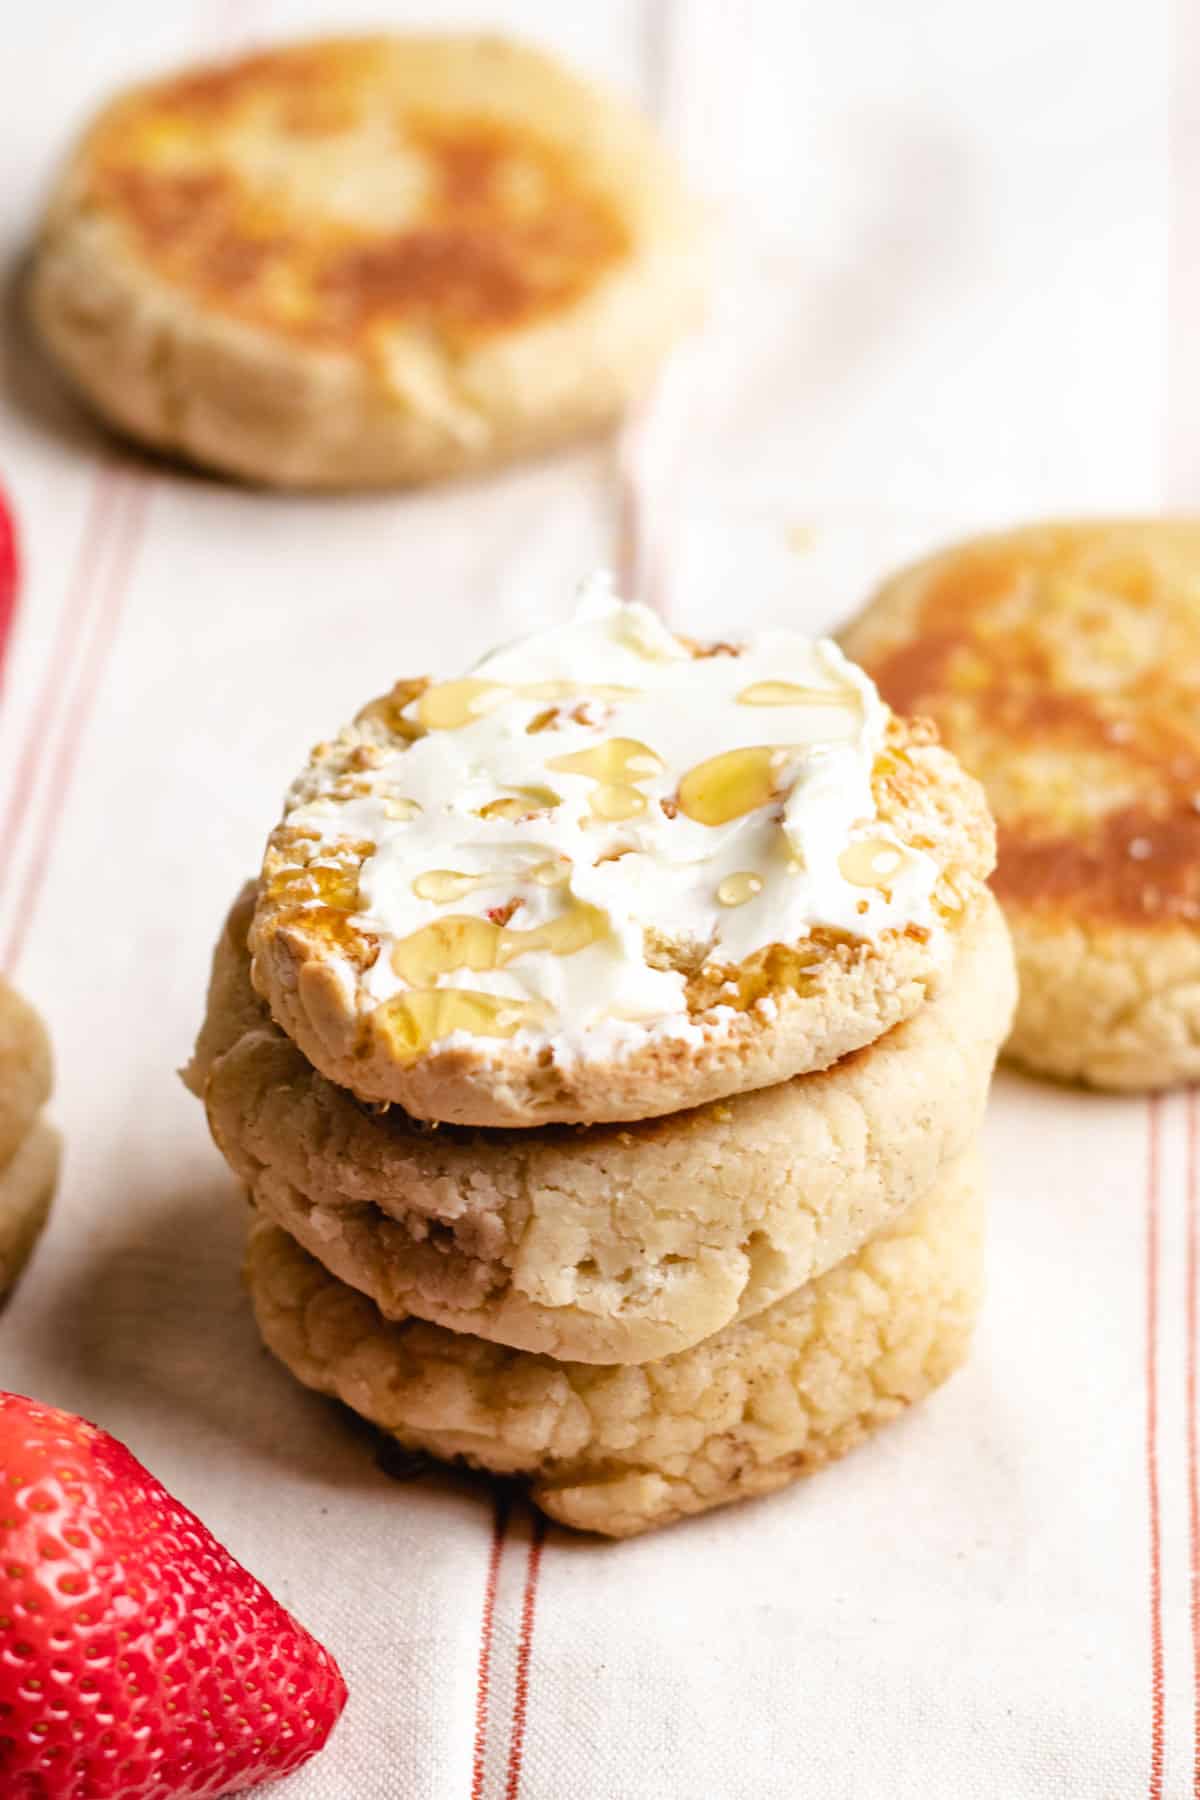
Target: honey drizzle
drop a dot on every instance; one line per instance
(389, 709)
(444, 885)
(320, 899)
(521, 803)
(462, 941)
(615, 801)
(615, 766)
(721, 789)
(575, 690)
(449, 705)
(728, 786)
(415, 1020)
(332, 885)
(736, 889)
(790, 693)
(872, 862)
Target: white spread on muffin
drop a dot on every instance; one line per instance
(600, 804)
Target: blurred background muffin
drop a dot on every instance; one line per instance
(361, 262)
(1062, 663)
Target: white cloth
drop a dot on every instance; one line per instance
(956, 290)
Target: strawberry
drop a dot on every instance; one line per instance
(138, 1660)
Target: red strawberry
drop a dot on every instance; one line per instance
(138, 1660)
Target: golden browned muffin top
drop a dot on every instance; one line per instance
(330, 190)
(1062, 664)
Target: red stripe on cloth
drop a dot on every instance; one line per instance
(516, 1748)
(483, 1680)
(96, 526)
(10, 578)
(1193, 1448)
(1157, 1702)
(80, 705)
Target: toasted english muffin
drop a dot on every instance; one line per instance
(613, 1243)
(613, 873)
(360, 262)
(622, 1450)
(1062, 664)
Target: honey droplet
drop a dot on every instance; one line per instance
(416, 1020)
(450, 705)
(728, 786)
(790, 693)
(615, 761)
(442, 885)
(615, 766)
(576, 690)
(615, 801)
(521, 803)
(401, 809)
(735, 890)
(871, 862)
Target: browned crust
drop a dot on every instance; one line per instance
(1139, 866)
(512, 225)
(1076, 641)
(366, 262)
(789, 1009)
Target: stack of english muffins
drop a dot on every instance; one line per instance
(603, 1048)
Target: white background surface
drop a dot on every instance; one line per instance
(958, 286)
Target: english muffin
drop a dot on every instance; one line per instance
(620, 1450)
(27, 1183)
(367, 261)
(1062, 664)
(613, 873)
(29, 1147)
(26, 1070)
(615, 1243)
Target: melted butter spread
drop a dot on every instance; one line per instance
(594, 792)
